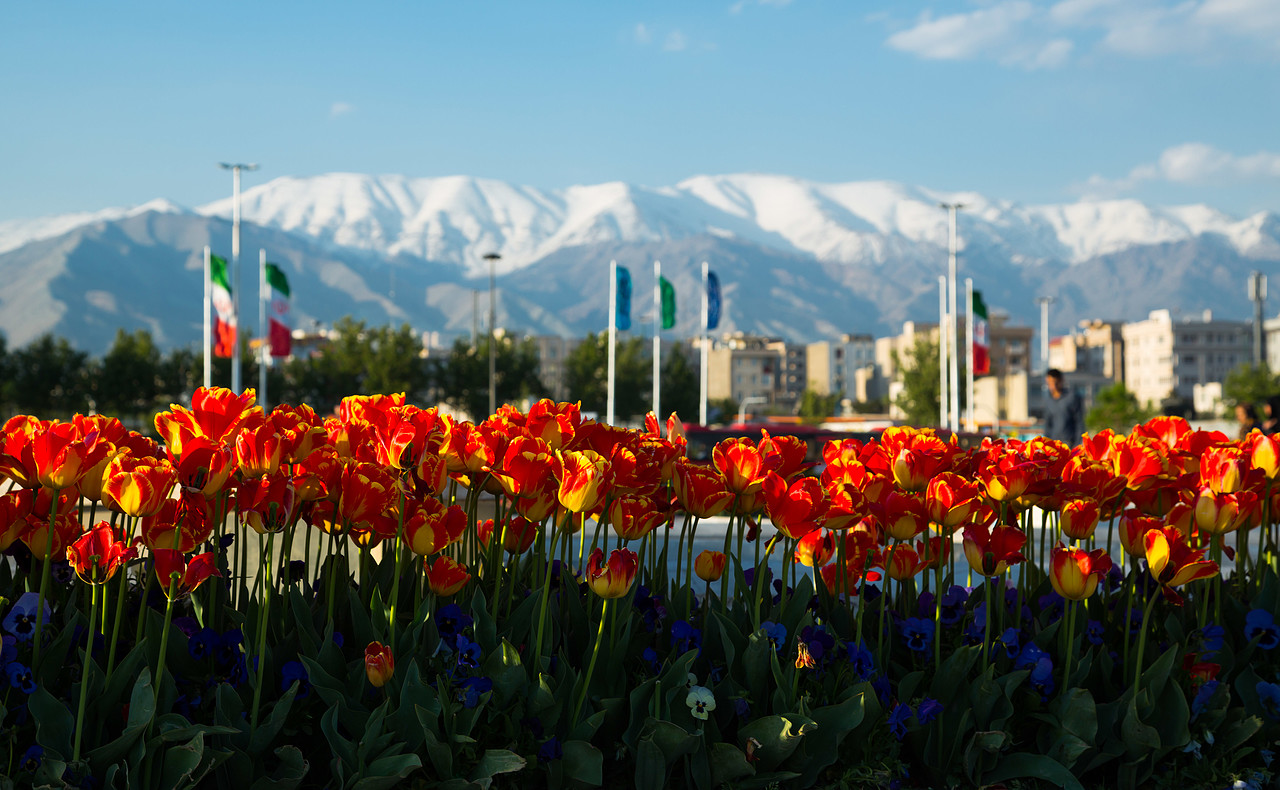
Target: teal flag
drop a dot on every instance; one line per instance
(668, 302)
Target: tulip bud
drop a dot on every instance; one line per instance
(379, 664)
(709, 565)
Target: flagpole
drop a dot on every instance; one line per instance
(942, 351)
(235, 266)
(970, 423)
(264, 349)
(954, 422)
(657, 339)
(706, 334)
(613, 338)
(208, 328)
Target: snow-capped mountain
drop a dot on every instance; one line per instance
(459, 219)
(796, 259)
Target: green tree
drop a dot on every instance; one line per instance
(181, 372)
(920, 398)
(128, 385)
(587, 369)
(51, 379)
(1249, 384)
(1117, 408)
(358, 360)
(6, 378)
(815, 407)
(681, 387)
(462, 380)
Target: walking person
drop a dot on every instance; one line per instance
(1063, 410)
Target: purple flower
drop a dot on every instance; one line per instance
(684, 637)
(1202, 697)
(550, 750)
(229, 647)
(953, 604)
(1010, 642)
(20, 677)
(928, 710)
(650, 657)
(31, 758)
(1094, 631)
(1259, 624)
(864, 664)
(819, 642)
(741, 708)
(295, 672)
(924, 605)
(898, 718)
(1211, 638)
(469, 690)
(469, 653)
(8, 649)
(451, 621)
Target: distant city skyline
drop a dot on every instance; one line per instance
(1164, 101)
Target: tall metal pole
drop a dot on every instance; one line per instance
(952, 320)
(970, 424)
(1258, 295)
(706, 338)
(657, 339)
(235, 264)
(609, 411)
(1044, 302)
(208, 320)
(264, 348)
(492, 258)
(943, 407)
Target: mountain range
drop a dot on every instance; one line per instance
(796, 259)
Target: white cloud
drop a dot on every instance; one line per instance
(737, 7)
(1044, 34)
(1191, 163)
(339, 108)
(675, 42)
(641, 34)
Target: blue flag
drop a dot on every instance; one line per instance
(713, 301)
(623, 303)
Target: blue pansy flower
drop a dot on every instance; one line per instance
(451, 621)
(924, 605)
(650, 658)
(953, 604)
(469, 653)
(21, 619)
(917, 632)
(550, 750)
(1269, 697)
(1261, 625)
(864, 664)
(898, 718)
(1094, 630)
(8, 649)
(339, 639)
(295, 671)
(1211, 639)
(1203, 696)
(1042, 676)
(1010, 642)
(928, 710)
(202, 643)
(469, 690)
(775, 632)
(20, 678)
(229, 647)
(685, 637)
(31, 758)
(819, 642)
(883, 690)
(741, 708)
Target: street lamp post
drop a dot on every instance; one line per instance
(1044, 302)
(235, 263)
(492, 258)
(951, 339)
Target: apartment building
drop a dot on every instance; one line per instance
(1166, 357)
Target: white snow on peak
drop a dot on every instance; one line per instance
(15, 233)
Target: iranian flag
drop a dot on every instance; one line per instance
(224, 322)
(281, 330)
(981, 342)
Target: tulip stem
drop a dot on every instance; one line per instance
(44, 580)
(1142, 646)
(546, 595)
(986, 626)
(591, 666)
(267, 587)
(84, 674)
(164, 634)
(398, 549)
(881, 641)
(115, 628)
(1069, 650)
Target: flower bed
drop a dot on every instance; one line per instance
(388, 598)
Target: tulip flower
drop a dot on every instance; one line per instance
(267, 502)
(700, 490)
(367, 490)
(555, 424)
(584, 478)
(137, 486)
(66, 528)
(1138, 461)
(259, 449)
(15, 506)
(174, 566)
(1222, 469)
(796, 509)
(1264, 453)
(991, 552)
(903, 516)
(1133, 529)
(814, 549)
(97, 555)
(614, 579)
(216, 414)
(1219, 514)
(446, 576)
(1007, 477)
(1173, 562)
(739, 461)
(517, 536)
(61, 456)
(804, 659)
(379, 664)
(540, 502)
(950, 500)
(709, 565)
(1079, 518)
(430, 526)
(901, 562)
(783, 454)
(633, 517)
(526, 464)
(203, 465)
(188, 515)
(1075, 573)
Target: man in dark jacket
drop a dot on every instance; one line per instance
(1063, 411)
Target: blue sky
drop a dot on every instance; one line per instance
(1176, 101)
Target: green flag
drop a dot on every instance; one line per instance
(668, 303)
